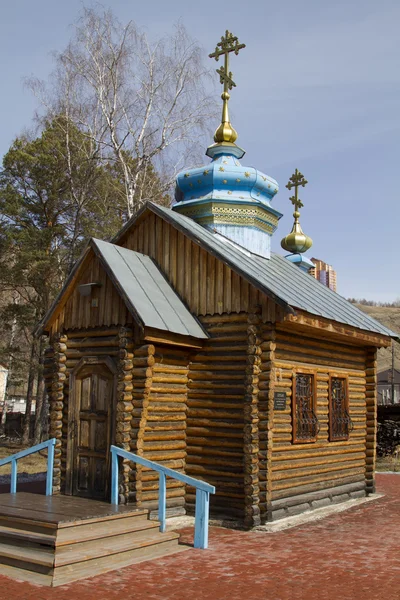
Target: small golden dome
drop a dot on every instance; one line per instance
(297, 241)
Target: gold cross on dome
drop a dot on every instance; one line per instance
(296, 180)
(229, 43)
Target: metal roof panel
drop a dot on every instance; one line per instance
(146, 291)
(278, 277)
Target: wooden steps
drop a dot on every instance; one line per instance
(56, 551)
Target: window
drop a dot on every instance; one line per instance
(340, 423)
(305, 422)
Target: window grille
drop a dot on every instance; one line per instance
(305, 422)
(340, 423)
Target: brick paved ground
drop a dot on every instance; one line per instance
(353, 555)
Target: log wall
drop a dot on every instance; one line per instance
(56, 382)
(206, 284)
(215, 417)
(317, 473)
(161, 432)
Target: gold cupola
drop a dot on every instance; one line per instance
(297, 241)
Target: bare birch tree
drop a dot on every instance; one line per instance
(141, 104)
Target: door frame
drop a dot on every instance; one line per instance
(72, 410)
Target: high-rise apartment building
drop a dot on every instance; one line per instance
(324, 273)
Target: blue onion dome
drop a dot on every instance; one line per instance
(225, 197)
(231, 199)
(225, 179)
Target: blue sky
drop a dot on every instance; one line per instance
(318, 88)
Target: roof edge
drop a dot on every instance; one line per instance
(40, 327)
(159, 212)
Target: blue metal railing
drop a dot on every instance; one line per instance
(50, 462)
(203, 491)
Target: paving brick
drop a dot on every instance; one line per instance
(353, 555)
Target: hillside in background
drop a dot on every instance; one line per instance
(389, 316)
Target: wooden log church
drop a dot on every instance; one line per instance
(188, 342)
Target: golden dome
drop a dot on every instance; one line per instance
(297, 241)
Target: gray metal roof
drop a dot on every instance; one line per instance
(146, 291)
(277, 277)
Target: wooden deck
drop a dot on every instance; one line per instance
(62, 511)
(52, 540)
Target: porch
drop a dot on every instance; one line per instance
(52, 540)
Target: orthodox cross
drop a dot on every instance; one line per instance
(229, 43)
(296, 180)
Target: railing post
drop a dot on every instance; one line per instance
(201, 519)
(50, 466)
(14, 470)
(162, 500)
(114, 476)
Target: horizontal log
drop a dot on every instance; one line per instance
(90, 342)
(216, 375)
(174, 407)
(165, 426)
(223, 474)
(318, 369)
(200, 394)
(217, 414)
(167, 378)
(143, 361)
(90, 351)
(296, 357)
(315, 486)
(330, 475)
(225, 318)
(211, 404)
(304, 464)
(146, 350)
(173, 493)
(170, 369)
(181, 398)
(335, 351)
(207, 445)
(166, 389)
(158, 436)
(161, 417)
(317, 495)
(197, 430)
(215, 423)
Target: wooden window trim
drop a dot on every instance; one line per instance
(313, 373)
(345, 377)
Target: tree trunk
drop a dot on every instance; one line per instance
(40, 396)
(3, 416)
(44, 416)
(10, 366)
(31, 379)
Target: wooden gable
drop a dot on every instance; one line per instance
(205, 284)
(103, 307)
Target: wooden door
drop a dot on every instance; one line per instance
(91, 424)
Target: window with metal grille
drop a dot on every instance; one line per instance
(340, 423)
(305, 421)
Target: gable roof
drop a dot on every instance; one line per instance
(277, 277)
(144, 289)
